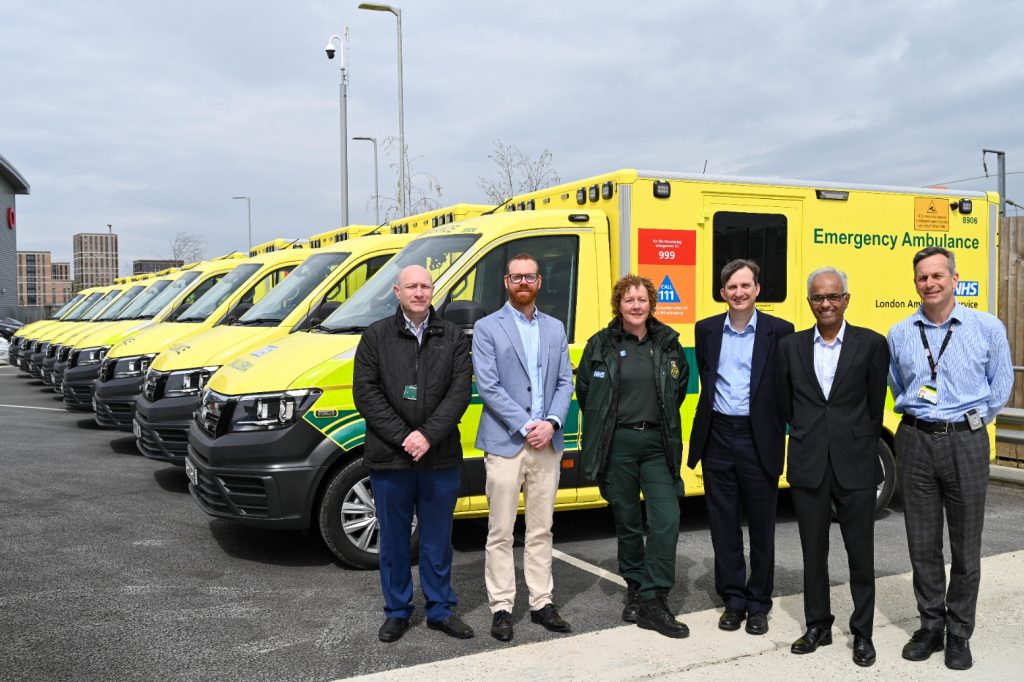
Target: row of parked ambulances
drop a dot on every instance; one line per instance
(240, 368)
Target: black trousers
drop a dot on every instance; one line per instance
(944, 472)
(734, 483)
(856, 511)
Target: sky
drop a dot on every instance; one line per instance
(150, 116)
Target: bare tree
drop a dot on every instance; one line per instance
(188, 247)
(517, 173)
(423, 189)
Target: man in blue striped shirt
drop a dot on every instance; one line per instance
(950, 375)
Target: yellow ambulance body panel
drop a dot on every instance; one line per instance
(676, 229)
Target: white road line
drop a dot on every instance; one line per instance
(28, 407)
(589, 568)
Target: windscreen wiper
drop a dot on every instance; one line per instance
(354, 329)
(268, 321)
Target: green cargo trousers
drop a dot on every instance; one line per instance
(637, 463)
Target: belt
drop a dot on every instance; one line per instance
(935, 427)
(639, 426)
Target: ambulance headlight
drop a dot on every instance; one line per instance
(91, 356)
(269, 411)
(132, 366)
(188, 381)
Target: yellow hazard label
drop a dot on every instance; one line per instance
(931, 214)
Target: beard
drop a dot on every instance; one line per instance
(524, 296)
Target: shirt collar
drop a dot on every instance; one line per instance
(751, 326)
(838, 339)
(955, 315)
(409, 325)
(523, 318)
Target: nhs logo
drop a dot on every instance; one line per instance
(964, 288)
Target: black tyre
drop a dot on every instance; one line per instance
(885, 490)
(888, 485)
(348, 518)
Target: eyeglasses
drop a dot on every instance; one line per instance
(818, 299)
(518, 279)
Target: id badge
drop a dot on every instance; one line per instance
(409, 393)
(928, 394)
(974, 420)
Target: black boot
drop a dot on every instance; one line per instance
(653, 615)
(632, 606)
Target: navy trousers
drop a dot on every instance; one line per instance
(431, 495)
(734, 482)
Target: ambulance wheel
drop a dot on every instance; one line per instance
(885, 490)
(348, 518)
(888, 485)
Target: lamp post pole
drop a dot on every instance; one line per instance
(342, 43)
(1001, 161)
(376, 177)
(248, 211)
(402, 180)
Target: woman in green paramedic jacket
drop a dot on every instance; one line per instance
(630, 385)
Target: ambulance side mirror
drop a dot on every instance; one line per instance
(464, 314)
(322, 312)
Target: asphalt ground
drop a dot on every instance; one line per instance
(108, 570)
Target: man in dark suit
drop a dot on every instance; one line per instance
(739, 438)
(832, 383)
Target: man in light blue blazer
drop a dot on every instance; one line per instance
(524, 377)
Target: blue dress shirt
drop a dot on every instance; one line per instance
(529, 334)
(974, 372)
(732, 385)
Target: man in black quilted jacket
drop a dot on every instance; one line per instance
(411, 384)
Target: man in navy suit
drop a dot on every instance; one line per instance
(739, 438)
(524, 377)
(832, 384)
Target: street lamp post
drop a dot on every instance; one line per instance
(402, 180)
(248, 207)
(1001, 170)
(342, 45)
(376, 185)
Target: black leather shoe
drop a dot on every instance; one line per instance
(812, 639)
(549, 618)
(863, 651)
(501, 626)
(958, 653)
(452, 626)
(653, 615)
(923, 644)
(393, 629)
(757, 623)
(629, 611)
(731, 619)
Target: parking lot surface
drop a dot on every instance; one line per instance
(110, 571)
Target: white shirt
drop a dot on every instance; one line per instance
(826, 358)
(416, 330)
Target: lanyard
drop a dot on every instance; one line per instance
(933, 363)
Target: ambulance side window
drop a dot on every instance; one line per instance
(194, 296)
(760, 237)
(558, 257)
(356, 278)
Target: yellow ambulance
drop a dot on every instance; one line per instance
(131, 288)
(42, 343)
(330, 274)
(30, 331)
(167, 297)
(277, 441)
(124, 365)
